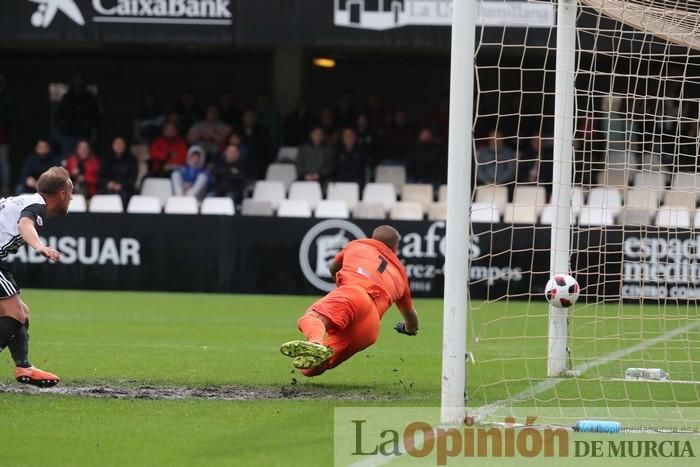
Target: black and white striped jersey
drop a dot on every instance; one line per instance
(11, 211)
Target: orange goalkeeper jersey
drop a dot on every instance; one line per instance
(372, 265)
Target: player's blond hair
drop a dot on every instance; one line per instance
(52, 181)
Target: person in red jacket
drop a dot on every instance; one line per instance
(84, 169)
(168, 151)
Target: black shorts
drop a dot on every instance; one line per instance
(8, 286)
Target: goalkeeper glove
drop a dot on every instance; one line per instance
(401, 329)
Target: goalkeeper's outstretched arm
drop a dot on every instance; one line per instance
(410, 322)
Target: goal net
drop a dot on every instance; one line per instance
(630, 117)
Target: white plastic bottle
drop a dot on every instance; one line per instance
(646, 373)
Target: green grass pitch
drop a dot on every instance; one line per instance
(147, 339)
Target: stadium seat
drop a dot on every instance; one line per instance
(634, 216)
(680, 199)
(141, 152)
(485, 213)
(577, 199)
(684, 181)
(394, 174)
(549, 212)
(139, 204)
(642, 198)
(520, 214)
(161, 188)
(419, 192)
(493, 195)
(406, 211)
(366, 210)
(608, 199)
(530, 196)
(294, 208)
(437, 212)
(673, 217)
(383, 193)
(332, 209)
(218, 206)
(652, 180)
(182, 205)
(285, 173)
(252, 207)
(442, 194)
(596, 216)
(614, 178)
(306, 191)
(106, 204)
(270, 191)
(696, 221)
(348, 192)
(287, 154)
(77, 204)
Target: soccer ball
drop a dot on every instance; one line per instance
(562, 291)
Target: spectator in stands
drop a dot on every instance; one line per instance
(495, 162)
(210, 133)
(36, 164)
(149, 119)
(378, 117)
(229, 174)
(426, 161)
(230, 113)
(119, 171)
(398, 138)
(368, 139)
(84, 169)
(168, 151)
(188, 110)
(350, 160)
(77, 116)
(297, 125)
(315, 159)
(439, 120)
(255, 137)
(7, 115)
(540, 153)
(327, 121)
(346, 115)
(235, 139)
(269, 118)
(193, 178)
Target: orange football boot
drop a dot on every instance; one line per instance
(36, 377)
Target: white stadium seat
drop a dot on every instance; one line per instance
(394, 174)
(419, 192)
(437, 212)
(549, 212)
(306, 191)
(139, 204)
(596, 216)
(294, 208)
(442, 194)
(520, 214)
(530, 196)
(608, 199)
(332, 209)
(680, 199)
(218, 206)
(77, 204)
(484, 213)
(106, 204)
(269, 191)
(285, 173)
(492, 195)
(287, 154)
(161, 188)
(674, 217)
(369, 211)
(182, 205)
(348, 192)
(383, 193)
(252, 207)
(406, 211)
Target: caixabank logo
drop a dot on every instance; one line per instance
(189, 12)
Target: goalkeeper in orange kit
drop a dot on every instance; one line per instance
(369, 279)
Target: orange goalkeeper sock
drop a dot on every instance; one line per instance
(312, 327)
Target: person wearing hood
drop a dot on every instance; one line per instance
(193, 178)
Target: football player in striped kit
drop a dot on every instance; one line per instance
(20, 217)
